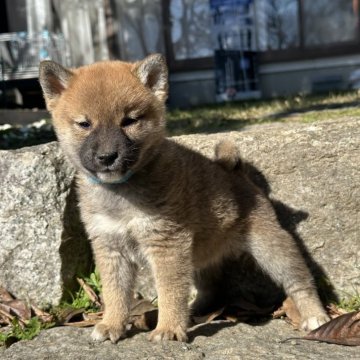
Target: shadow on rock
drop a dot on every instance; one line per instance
(209, 329)
(75, 244)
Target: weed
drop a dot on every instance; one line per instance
(80, 299)
(351, 302)
(25, 331)
(94, 281)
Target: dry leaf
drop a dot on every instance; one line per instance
(82, 324)
(5, 314)
(66, 315)
(233, 318)
(335, 311)
(139, 307)
(143, 314)
(146, 321)
(42, 315)
(289, 309)
(4, 320)
(240, 310)
(5, 295)
(208, 318)
(343, 330)
(8, 318)
(19, 308)
(89, 319)
(93, 316)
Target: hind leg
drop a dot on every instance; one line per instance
(278, 255)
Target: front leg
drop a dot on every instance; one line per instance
(171, 262)
(117, 274)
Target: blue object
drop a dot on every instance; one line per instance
(124, 179)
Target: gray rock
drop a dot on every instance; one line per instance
(310, 171)
(215, 341)
(42, 248)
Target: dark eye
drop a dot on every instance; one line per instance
(127, 121)
(84, 124)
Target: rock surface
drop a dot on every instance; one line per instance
(215, 341)
(41, 247)
(311, 172)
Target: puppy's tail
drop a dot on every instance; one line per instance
(227, 155)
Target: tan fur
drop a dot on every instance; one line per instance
(181, 212)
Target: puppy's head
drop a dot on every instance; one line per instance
(109, 116)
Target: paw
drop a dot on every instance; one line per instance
(160, 334)
(313, 322)
(104, 331)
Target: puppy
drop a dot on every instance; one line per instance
(144, 197)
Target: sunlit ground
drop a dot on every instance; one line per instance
(212, 118)
(237, 115)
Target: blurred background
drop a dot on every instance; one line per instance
(217, 50)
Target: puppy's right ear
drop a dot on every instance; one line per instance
(54, 79)
(153, 73)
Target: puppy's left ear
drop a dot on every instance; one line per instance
(153, 73)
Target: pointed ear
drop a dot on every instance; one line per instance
(54, 79)
(153, 73)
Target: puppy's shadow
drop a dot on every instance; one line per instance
(208, 329)
(75, 250)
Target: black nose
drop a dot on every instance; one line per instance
(107, 159)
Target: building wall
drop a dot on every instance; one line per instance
(308, 76)
(192, 88)
(280, 79)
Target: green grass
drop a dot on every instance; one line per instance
(351, 302)
(30, 329)
(79, 299)
(23, 332)
(237, 115)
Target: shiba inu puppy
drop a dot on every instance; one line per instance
(145, 197)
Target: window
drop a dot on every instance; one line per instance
(280, 21)
(303, 29)
(286, 30)
(16, 15)
(327, 22)
(188, 34)
(137, 28)
(191, 29)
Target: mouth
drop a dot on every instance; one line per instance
(115, 174)
(109, 171)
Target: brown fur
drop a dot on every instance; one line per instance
(181, 212)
